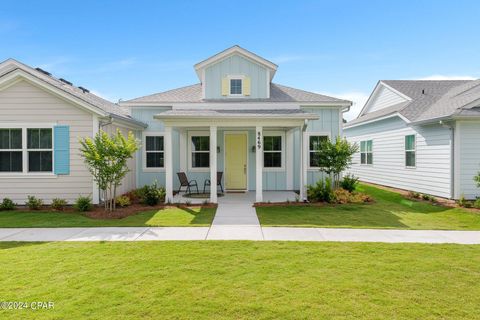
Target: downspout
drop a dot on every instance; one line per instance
(452, 157)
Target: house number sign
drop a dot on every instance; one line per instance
(259, 140)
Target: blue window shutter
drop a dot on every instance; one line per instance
(61, 149)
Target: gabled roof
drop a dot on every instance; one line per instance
(193, 94)
(429, 100)
(97, 104)
(236, 49)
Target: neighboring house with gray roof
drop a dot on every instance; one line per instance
(420, 135)
(236, 121)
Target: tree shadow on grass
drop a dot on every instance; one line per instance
(18, 244)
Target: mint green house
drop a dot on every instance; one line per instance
(257, 134)
(236, 121)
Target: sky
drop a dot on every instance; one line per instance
(126, 49)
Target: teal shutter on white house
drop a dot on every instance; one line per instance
(61, 149)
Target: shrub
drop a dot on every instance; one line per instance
(59, 204)
(414, 194)
(123, 201)
(321, 192)
(476, 204)
(462, 202)
(342, 196)
(83, 204)
(425, 197)
(152, 195)
(349, 183)
(7, 204)
(34, 203)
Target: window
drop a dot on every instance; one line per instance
(39, 149)
(272, 151)
(200, 151)
(366, 152)
(235, 86)
(410, 150)
(314, 143)
(11, 150)
(154, 152)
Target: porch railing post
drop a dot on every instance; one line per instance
(259, 163)
(213, 164)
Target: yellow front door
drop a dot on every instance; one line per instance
(236, 161)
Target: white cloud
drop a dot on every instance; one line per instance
(446, 77)
(358, 98)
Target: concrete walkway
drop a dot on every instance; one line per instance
(238, 232)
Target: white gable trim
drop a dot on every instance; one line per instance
(231, 51)
(374, 94)
(393, 115)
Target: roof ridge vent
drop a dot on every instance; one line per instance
(43, 71)
(85, 90)
(66, 81)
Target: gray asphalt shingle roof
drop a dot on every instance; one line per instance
(430, 99)
(193, 93)
(254, 113)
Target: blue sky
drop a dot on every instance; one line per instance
(342, 48)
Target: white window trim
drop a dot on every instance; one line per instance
(366, 152)
(307, 145)
(405, 151)
(25, 173)
(189, 143)
(282, 137)
(235, 77)
(144, 151)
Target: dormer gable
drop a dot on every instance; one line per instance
(235, 73)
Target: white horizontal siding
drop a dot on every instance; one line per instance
(26, 103)
(469, 157)
(384, 98)
(432, 172)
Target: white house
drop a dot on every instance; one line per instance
(421, 136)
(236, 121)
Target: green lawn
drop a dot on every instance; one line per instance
(171, 217)
(390, 210)
(241, 280)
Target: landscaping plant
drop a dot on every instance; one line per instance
(7, 204)
(349, 183)
(335, 157)
(321, 192)
(123, 201)
(152, 194)
(83, 204)
(34, 203)
(59, 204)
(106, 158)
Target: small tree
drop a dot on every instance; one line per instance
(106, 157)
(334, 157)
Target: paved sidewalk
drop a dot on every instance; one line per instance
(247, 232)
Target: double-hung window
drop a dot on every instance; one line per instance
(410, 150)
(11, 150)
(154, 152)
(200, 151)
(272, 151)
(40, 149)
(235, 86)
(366, 152)
(314, 143)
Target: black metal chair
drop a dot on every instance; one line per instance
(184, 182)
(219, 182)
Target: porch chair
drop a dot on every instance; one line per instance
(219, 181)
(184, 182)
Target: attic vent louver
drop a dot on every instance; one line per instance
(85, 90)
(66, 82)
(43, 71)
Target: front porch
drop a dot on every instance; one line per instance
(219, 153)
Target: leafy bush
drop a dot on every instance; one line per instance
(152, 195)
(462, 202)
(476, 204)
(321, 192)
(414, 194)
(349, 183)
(342, 196)
(123, 201)
(83, 204)
(34, 203)
(59, 204)
(7, 204)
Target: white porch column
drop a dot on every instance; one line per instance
(289, 159)
(259, 163)
(303, 171)
(213, 164)
(168, 165)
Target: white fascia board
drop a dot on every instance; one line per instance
(246, 104)
(14, 76)
(393, 115)
(205, 122)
